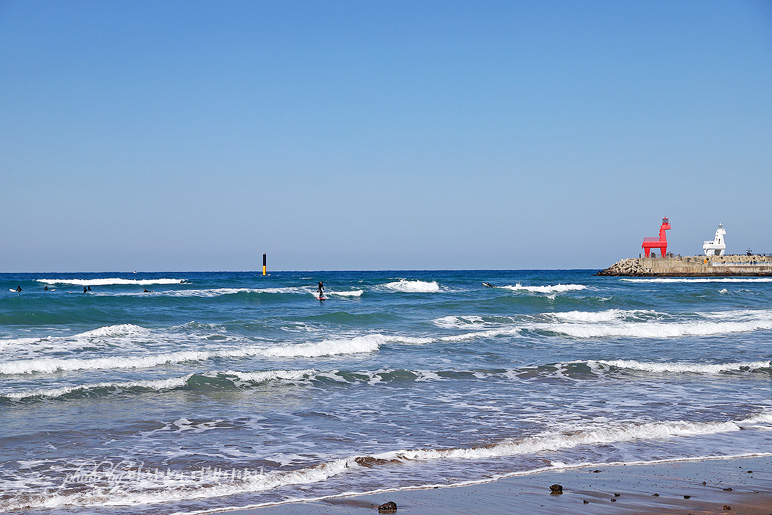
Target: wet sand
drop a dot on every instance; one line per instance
(738, 485)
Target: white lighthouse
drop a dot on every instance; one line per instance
(717, 247)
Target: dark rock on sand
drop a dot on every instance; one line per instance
(556, 489)
(727, 507)
(388, 507)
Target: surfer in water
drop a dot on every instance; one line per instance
(321, 289)
(18, 288)
(489, 285)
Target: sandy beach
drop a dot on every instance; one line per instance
(737, 485)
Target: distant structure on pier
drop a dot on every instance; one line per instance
(657, 243)
(717, 247)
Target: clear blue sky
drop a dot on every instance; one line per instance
(334, 135)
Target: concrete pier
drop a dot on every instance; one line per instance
(692, 266)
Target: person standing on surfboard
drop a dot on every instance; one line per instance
(321, 289)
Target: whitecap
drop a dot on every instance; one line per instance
(333, 347)
(405, 286)
(111, 281)
(352, 293)
(694, 368)
(148, 487)
(557, 288)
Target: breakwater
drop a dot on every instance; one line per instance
(692, 266)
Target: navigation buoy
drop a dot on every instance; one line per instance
(264, 261)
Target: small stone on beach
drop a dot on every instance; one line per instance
(727, 507)
(556, 489)
(389, 507)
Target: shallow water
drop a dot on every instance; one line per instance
(224, 390)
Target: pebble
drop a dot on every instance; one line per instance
(388, 507)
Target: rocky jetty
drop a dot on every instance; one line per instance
(692, 266)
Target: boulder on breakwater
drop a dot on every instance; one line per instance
(692, 266)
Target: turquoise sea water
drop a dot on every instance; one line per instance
(226, 390)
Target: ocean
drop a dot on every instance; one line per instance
(215, 391)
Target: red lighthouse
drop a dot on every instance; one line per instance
(657, 243)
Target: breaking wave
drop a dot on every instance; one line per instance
(609, 315)
(235, 380)
(657, 329)
(611, 323)
(111, 281)
(681, 368)
(406, 286)
(332, 347)
(151, 487)
(557, 288)
(352, 293)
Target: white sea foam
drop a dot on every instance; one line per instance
(650, 324)
(135, 487)
(110, 281)
(459, 322)
(333, 347)
(609, 315)
(557, 288)
(158, 384)
(214, 292)
(656, 329)
(272, 375)
(406, 286)
(556, 441)
(20, 342)
(679, 368)
(205, 293)
(113, 334)
(356, 345)
(490, 333)
(164, 384)
(352, 293)
(115, 331)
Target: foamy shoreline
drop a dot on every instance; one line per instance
(704, 486)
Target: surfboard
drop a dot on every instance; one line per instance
(322, 298)
(12, 290)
